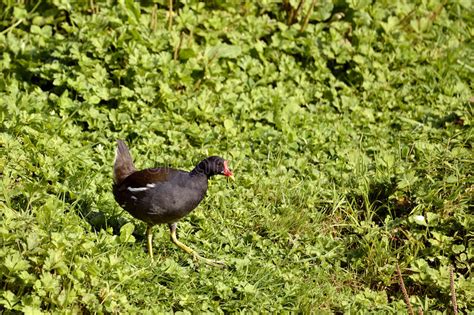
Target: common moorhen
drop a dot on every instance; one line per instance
(163, 195)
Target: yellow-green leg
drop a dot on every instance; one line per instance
(149, 236)
(188, 250)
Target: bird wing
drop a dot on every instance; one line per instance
(144, 179)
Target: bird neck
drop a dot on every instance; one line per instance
(198, 172)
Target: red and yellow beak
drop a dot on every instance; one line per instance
(227, 172)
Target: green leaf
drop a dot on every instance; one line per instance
(15, 263)
(132, 10)
(419, 219)
(187, 53)
(223, 51)
(126, 233)
(451, 179)
(228, 124)
(8, 300)
(408, 180)
(94, 99)
(457, 249)
(20, 13)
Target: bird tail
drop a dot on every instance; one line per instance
(123, 165)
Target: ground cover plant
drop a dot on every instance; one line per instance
(348, 125)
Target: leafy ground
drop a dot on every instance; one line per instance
(348, 125)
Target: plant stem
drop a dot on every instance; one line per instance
(453, 290)
(170, 14)
(306, 19)
(404, 290)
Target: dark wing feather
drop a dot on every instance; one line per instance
(147, 176)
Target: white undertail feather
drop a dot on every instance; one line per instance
(123, 165)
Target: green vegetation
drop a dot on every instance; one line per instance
(348, 126)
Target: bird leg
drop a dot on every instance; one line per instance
(149, 236)
(188, 250)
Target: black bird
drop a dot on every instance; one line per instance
(163, 195)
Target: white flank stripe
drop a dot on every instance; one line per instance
(137, 189)
(150, 185)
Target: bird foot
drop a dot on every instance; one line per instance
(210, 262)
